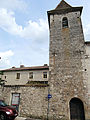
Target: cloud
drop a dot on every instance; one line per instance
(7, 22)
(13, 4)
(5, 58)
(87, 32)
(32, 30)
(36, 30)
(6, 54)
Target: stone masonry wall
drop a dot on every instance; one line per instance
(87, 63)
(66, 64)
(33, 100)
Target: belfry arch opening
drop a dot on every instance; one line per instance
(76, 109)
(64, 22)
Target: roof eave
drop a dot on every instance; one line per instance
(62, 11)
(29, 69)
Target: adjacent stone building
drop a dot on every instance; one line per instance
(26, 75)
(26, 89)
(65, 94)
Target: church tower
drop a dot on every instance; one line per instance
(68, 84)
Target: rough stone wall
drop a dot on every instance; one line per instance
(87, 69)
(66, 64)
(0, 92)
(33, 100)
(87, 63)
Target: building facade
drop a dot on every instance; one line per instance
(26, 89)
(25, 75)
(62, 90)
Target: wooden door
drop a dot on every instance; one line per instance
(76, 109)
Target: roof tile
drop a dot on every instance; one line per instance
(27, 68)
(63, 5)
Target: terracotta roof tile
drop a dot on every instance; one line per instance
(64, 7)
(27, 68)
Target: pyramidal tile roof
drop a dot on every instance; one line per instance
(63, 8)
(63, 5)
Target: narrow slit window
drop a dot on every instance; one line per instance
(5, 77)
(31, 75)
(65, 22)
(18, 76)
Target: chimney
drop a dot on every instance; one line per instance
(45, 64)
(13, 67)
(22, 66)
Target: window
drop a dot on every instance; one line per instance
(64, 22)
(31, 75)
(18, 76)
(15, 100)
(44, 74)
(5, 77)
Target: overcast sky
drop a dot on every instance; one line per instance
(24, 34)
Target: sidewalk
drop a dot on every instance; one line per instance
(22, 118)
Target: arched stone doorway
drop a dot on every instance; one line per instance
(76, 109)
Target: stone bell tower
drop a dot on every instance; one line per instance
(68, 85)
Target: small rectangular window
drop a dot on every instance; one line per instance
(44, 74)
(18, 76)
(31, 75)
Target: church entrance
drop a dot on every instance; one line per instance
(76, 109)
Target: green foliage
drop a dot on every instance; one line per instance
(1, 72)
(2, 82)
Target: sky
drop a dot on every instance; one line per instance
(24, 31)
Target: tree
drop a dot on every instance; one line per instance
(2, 82)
